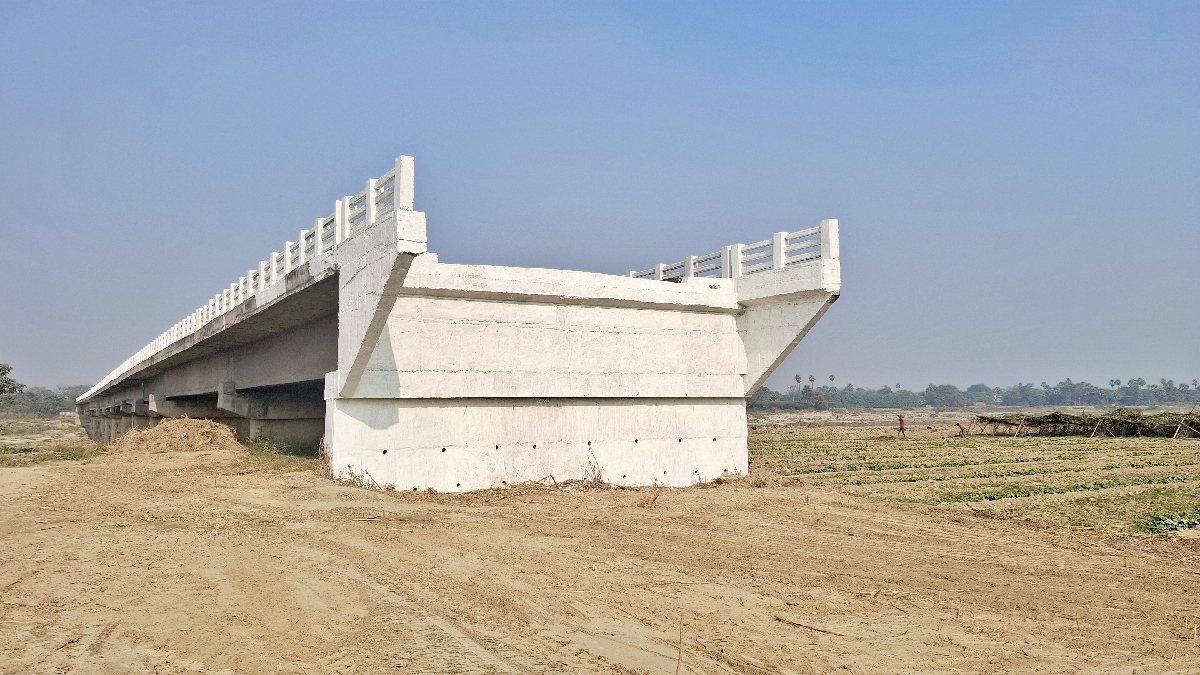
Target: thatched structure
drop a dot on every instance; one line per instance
(1120, 422)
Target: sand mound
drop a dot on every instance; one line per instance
(179, 435)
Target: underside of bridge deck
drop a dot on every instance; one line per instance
(262, 373)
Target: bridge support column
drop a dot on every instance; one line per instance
(292, 415)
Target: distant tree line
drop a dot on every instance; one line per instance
(1135, 392)
(42, 401)
(18, 399)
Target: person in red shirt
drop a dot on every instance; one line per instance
(900, 433)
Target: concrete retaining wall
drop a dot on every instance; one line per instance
(468, 444)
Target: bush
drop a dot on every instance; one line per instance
(814, 399)
(1162, 522)
(944, 396)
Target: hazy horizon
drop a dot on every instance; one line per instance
(1018, 185)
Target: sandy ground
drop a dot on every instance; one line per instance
(209, 560)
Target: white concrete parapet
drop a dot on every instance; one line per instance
(782, 250)
(378, 202)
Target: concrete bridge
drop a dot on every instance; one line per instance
(418, 374)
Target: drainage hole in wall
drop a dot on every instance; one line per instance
(414, 489)
(535, 446)
(664, 473)
(458, 485)
(504, 482)
(589, 442)
(497, 447)
(443, 449)
(714, 439)
(385, 452)
(681, 440)
(635, 440)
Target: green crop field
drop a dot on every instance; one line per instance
(1140, 484)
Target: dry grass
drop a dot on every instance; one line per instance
(33, 440)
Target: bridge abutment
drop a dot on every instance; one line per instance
(418, 374)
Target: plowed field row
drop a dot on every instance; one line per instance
(1084, 482)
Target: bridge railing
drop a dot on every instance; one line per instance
(782, 250)
(380, 199)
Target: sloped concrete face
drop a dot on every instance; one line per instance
(417, 374)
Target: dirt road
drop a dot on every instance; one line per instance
(213, 561)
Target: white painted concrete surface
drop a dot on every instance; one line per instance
(461, 377)
(459, 444)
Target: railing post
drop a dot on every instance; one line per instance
(405, 183)
(369, 204)
(731, 262)
(779, 250)
(319, 228)
(658, 271)
(339, 219)
(303, 246)
(829, 239)
(251, 284)
(287, 256)
(689, 266)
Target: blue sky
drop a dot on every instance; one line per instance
(1018, 184)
